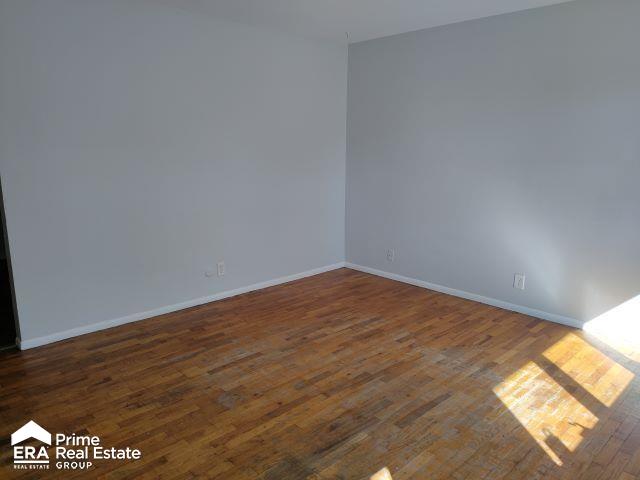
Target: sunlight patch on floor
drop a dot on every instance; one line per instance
(589, 368)
(558, 396)
(383, 474)
(553, 418)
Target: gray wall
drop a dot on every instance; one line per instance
(140, 144)
(503, 145)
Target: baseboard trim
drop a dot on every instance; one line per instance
(551, 317)
(136, 317)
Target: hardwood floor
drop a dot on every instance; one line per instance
(336, 376)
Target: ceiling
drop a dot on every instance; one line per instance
(362, 19)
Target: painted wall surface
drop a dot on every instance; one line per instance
(500, 146)
(140, 144)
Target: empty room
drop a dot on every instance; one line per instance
(320, 239)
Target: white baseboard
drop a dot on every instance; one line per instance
(552, 317)
(94, 327)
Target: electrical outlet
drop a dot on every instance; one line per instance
(391, 255)
(221, 269)
(518, 281)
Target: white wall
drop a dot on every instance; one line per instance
(140, 144)
(503, 145)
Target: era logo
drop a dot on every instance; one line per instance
(25, 456)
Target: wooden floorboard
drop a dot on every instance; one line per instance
(336, 376)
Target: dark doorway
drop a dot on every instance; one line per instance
(7, 318)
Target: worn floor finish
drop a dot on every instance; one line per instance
(336, 377)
